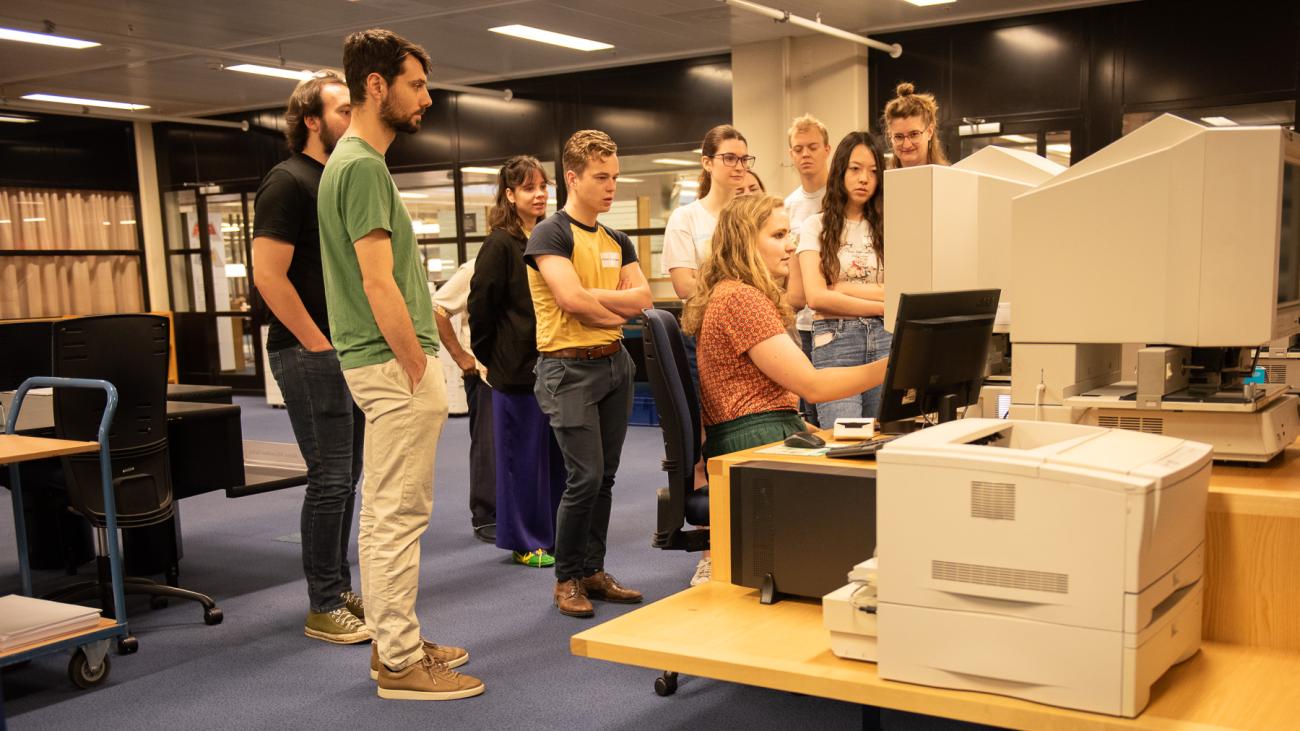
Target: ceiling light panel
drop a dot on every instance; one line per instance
(282, 73)
(57, 99)
(563, 40)
(44, 39)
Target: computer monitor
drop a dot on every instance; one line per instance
(949, 227)
(1177, 234)
(939, 356)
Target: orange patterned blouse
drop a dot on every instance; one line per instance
(737, 318)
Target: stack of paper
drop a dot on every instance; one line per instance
(24, 620)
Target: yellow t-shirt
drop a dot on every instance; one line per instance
(598, 254)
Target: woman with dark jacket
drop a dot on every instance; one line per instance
(529, 466)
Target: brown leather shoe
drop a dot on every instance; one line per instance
(452, 657)
(601, 585)
(427, 680)
(572, 599)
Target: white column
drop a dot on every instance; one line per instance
(775, 81)
(151, 217)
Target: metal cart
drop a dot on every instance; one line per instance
(89, 665)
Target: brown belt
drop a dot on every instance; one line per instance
(593, 353)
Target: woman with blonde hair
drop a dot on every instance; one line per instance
(751, 370)
(909, 123)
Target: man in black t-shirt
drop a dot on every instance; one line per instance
(326, 423)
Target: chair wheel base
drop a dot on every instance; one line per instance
(212, 616)
(666, 684)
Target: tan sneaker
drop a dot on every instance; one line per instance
(452, 657)
(427, 680)
(339, 626)
(355, 604)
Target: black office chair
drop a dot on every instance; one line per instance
(679, 418)
(131, 352)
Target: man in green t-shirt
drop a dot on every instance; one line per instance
(381, 321)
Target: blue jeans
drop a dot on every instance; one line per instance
(330, 431)
(849, 342)
(588, 403)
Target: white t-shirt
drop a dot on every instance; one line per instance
(687, 237)
(799, 205)
(858, 262)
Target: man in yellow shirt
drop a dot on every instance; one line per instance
(585, 283)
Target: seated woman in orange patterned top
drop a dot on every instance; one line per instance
(751, 371)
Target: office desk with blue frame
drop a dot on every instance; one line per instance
(1243, 677)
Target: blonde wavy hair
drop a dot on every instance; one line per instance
(735, 256)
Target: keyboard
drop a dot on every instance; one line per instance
(863, 450)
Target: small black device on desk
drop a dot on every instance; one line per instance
(804, 440)
(861, 450)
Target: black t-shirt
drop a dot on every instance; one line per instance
(286, 211)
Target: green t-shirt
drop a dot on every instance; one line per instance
(357, 196)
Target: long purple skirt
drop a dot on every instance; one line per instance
(530, 473)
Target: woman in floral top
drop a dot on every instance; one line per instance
(842, 263)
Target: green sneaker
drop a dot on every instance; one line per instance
(339, 626)
(355, 604)
(538, 559)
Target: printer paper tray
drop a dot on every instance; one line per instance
(1072, 667)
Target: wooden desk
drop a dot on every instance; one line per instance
(1243, 677)
(15, 448)
(720, 631)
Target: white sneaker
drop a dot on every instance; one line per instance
(703, 571)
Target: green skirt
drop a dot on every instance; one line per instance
(753, 430)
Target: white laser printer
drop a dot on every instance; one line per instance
(1053, 562)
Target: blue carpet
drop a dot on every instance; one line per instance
(257, 670)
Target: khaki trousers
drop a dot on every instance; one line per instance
(402, 430)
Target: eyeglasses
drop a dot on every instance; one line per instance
(913, 136)
(730, 160)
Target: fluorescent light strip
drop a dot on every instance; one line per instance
(252, 68)
(676, 161)
(44, 39)
(405, 194)
(530, 33)
(622, 179)
(927, 3)
(39, 219)
(84, 102)
(481, 170)
(15, 120)
(1219, 121)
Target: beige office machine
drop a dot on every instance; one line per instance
(949, 228)
(1182, 239)
(1057, 563)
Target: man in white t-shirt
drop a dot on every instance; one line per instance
(810, 150)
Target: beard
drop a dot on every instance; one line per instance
(328, 139)
(409, 124)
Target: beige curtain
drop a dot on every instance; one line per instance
(34, 220)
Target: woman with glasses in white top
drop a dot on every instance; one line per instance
(725, 158)
(909, 123)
